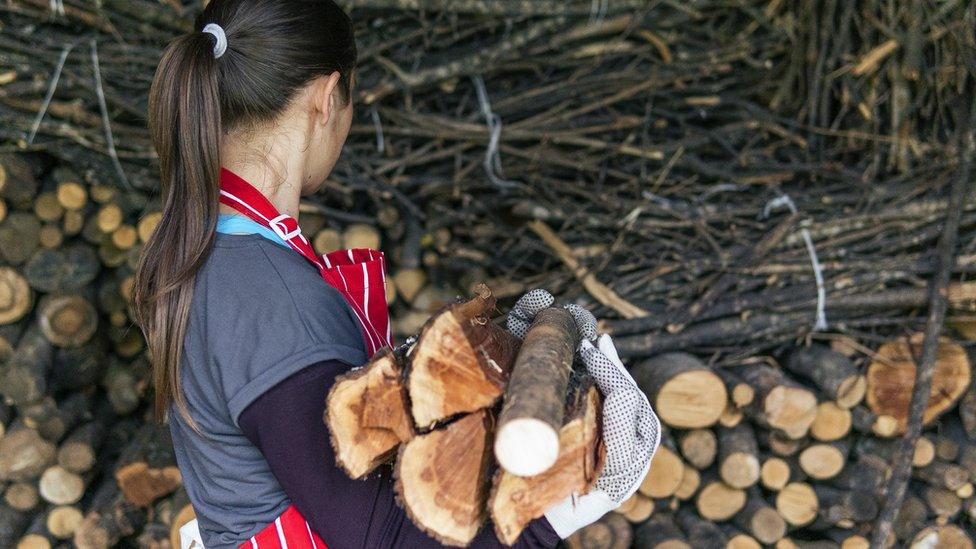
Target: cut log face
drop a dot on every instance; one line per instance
(441, 479)
(685, 393)
(516, 500)
(460, 362)
(366, 414)
(891, 377)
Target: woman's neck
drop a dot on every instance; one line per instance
(278, 175)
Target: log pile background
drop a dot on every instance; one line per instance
(674, 166)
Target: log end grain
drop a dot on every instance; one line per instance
(441, 479)
(891, 377)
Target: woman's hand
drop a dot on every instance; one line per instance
(631, 429)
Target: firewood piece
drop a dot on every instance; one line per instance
(460, 362)
(20, 237)
(18, 182)
(24, 454)
(441, 478)
(124, 384)
(67, 320)
(700, 532)
(685, 392)
(67, 413)
(739, 539)
(832, 372)
(718, 501)
(16, 296)
(63, 520)
(774, 473)
(12, 525)
(944, 504)
(516, 500)
(690, 482)
(891, 377)
(25, 376)
(60, 486)
(781, 404)
(69, 268)
(837, 505)
(945, 536)
(797, 503)
(641, 509)
(110, 518)
(911, 517)
(22, 496)
(660, 532)
(738, 456)
(863, 420)
(824, 460)
(527, 438)
(740, 393)
(665, 473)
(366, 413)
(943, 474)
(79, 367)
(759, 519)
(147, 469)
(699, 447)
(833, 422)
(37, 536)
(610, 532)
(866, 474)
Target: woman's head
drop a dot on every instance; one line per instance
(286, 62)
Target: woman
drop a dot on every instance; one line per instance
(248, 327)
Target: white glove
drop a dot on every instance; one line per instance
(631, 429)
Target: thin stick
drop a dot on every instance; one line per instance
(933, 326)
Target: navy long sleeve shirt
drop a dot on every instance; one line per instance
(286, 424)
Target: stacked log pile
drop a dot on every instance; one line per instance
(678, 168)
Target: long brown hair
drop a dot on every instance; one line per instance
(273, 49)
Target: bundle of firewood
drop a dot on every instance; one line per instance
(466, 393)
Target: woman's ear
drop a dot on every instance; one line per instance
(324, 96)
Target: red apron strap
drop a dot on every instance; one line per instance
(359, 274)
(289, 530)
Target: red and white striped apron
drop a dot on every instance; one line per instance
(359, 275)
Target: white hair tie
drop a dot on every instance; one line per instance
(221, 46)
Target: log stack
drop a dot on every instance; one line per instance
(476, 394)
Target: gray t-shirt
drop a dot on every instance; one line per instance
(260, 313)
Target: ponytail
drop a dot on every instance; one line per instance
(184, 122)
(267, 52)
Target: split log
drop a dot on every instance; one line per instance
(717, 501)
(833, 422)
(738, 456)
(660, 532)
(516, 500)
(832, 372)
(460, 362)
(699, 447)
(527, 440)
(610, 532)
(759, 519)
(891, 377)
(366, 413)
(147, 469)
(665, 473)
(781, 404)
(24, 454)
(441, 478)
(684, 392)
(797, 503)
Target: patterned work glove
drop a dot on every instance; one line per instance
(631, 429)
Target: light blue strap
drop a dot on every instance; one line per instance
(239, 224)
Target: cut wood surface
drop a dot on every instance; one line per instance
(460, 362)
(891, 377)
(527, 439)
(366, 414)
(683, 391)
(441, 478)
(515, 500)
